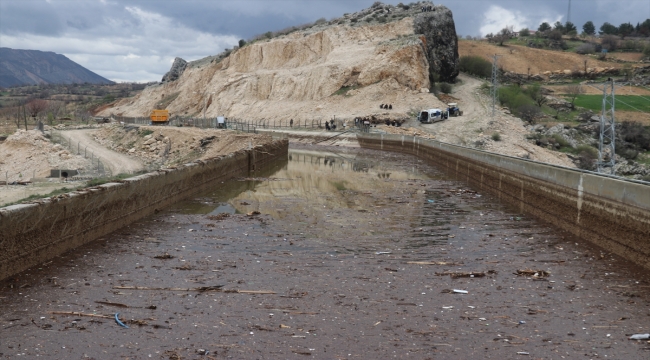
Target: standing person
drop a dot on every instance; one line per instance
(291, 123)
(327, 125)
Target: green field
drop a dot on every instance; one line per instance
(623, 102)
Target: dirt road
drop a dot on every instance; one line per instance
(115, 162)
(477, 126)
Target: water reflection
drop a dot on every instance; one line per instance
(316, 178)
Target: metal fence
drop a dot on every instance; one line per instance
(253, 125)
(97, 167)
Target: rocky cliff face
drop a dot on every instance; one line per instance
(176, 71)
(341, 69)
(440, 40)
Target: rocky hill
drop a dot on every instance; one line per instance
(345, 68)
(31, 67)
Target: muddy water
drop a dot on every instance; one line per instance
(355, 254)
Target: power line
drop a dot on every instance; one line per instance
(624, 103)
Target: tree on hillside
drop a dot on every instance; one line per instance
(589, 28)
(524, 32)
(560, 27)
(572, 92)
(544, 27)
(570, 28)
(625, 29)
(17, 112)
(609, 42)
(535, 93)
(53, 110)
(35, 107)
(504, 35)
(644, 28)
(555, 35)
(608, 29)
(529, 113)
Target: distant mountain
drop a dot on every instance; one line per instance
(31, 67)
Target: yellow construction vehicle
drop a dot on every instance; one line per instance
(159, 117)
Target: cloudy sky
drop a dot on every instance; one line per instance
(137, 40)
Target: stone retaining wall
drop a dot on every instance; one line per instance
(610, 212)
(33, 233)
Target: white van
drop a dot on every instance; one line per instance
(431, 115)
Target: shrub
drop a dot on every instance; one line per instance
(610, 42)
(586, 48)
(496, 136)
(529, 112)
(562, 142)
(646, 51)
(513, 97)
(524, 32)
(555, 35)
(635, 133)
(476, 66)
(587, 157)
(445, 88)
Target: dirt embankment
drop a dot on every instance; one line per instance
(28, 154)
(478, 128)
(157, 146)
(525, 60)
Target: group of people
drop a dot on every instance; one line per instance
(330, 125)
(392, 123)
(386, 106)
(427, 8)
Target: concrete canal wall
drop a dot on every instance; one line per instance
(33, 233)
(610, 212)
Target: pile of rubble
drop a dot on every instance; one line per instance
(27, 154)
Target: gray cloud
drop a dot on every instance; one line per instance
(137, 40)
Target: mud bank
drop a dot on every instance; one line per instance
(609, 212)
(34, 233)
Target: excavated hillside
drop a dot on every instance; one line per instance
(345, 68)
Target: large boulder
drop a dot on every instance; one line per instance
(440, 41)
(176, 71)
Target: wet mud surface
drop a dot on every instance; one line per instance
(354, 254)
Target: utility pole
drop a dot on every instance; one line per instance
(495, 83)
(568, 16)
(606, 144)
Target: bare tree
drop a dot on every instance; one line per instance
(83, 115)
(35, 107)
(573, 91)
(537, 94)
(17, 113)
(53, 109)
(505, 34)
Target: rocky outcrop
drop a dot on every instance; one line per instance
(440, 41)
(176, 71)
(344, 68)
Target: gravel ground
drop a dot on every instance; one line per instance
(355, 255)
